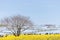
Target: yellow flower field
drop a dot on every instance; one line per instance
(32, 37)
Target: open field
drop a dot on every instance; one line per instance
(32, 37)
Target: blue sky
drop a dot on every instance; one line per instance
(40, 11)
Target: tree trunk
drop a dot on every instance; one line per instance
(18, 31)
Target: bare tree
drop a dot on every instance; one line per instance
(17, 23)
(50, 26)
